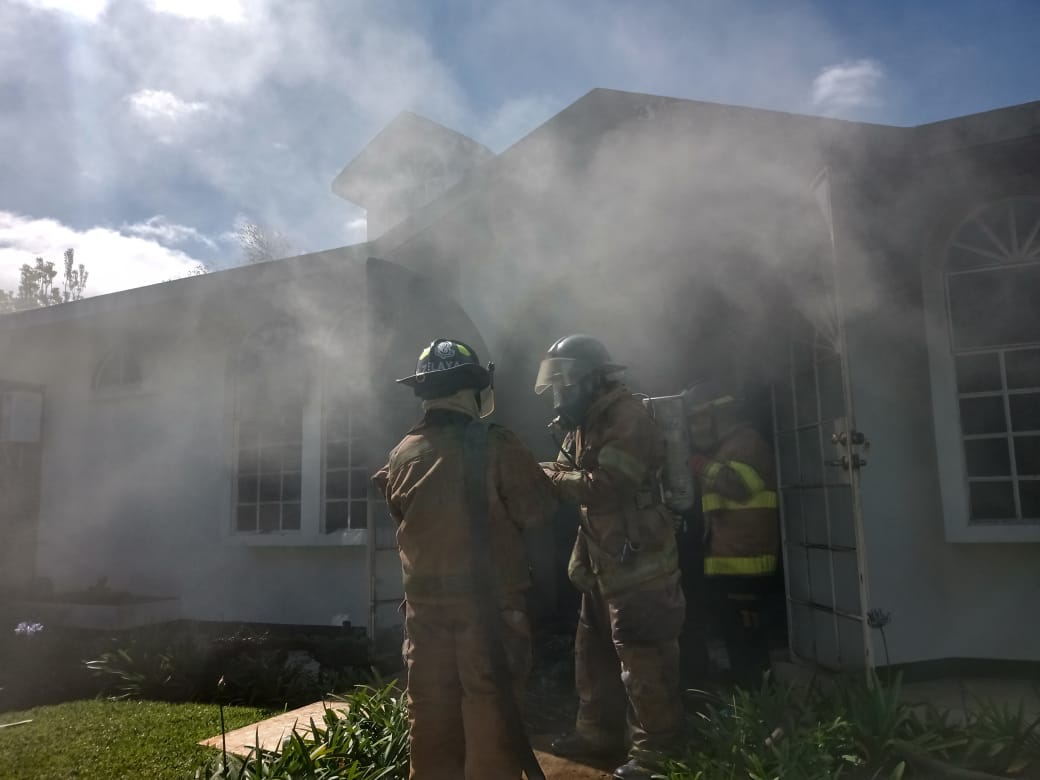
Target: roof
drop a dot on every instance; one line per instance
(408, 151)
(271, 272)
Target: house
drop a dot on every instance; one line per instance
(875, 285)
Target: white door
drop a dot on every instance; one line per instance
(820, 454)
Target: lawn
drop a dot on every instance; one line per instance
(107, 740)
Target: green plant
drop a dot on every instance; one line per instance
(771, 733)
(369, 741)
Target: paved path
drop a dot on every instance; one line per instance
(270, 733)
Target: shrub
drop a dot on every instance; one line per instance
(369, 741)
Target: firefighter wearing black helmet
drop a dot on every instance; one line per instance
(624, 560)
(459, 727)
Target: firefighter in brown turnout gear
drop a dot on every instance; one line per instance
(624, 560)
(459, 699)
(736, 472)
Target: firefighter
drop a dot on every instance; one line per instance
(458, 726)
(736, 472)
(624, 560)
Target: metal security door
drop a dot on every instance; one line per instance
(820, 455)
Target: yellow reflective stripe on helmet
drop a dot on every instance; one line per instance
(616, 459)
(424, 354)
(764, 499)
(754, 482)
(748, 565)
(462, 348)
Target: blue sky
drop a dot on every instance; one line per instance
(140, 131)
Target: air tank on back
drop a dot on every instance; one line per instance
(669, 413)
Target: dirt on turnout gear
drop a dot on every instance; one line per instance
(626, 563)
(456, 724)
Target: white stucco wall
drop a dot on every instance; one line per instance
(138, 485)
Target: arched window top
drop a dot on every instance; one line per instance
(992, 270)
(999, 233)
(118, 370)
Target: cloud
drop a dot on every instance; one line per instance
(114, 261)
(848, 85)
(158, 104)
(224, 10)
(165, 232)
(84, 9)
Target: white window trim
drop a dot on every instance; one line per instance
(953, 472)
(146, 385)
(311, 532)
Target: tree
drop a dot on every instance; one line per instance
(260, 243)
(36, 287)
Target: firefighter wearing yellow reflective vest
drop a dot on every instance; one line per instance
(624, 561)
(735, 469)
(459, 715)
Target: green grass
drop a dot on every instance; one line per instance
(108, 740)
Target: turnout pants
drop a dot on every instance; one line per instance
(627, 669)
(456, 729)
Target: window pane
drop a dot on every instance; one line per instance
(1027, 215)
(270, 487)
(982, 415)
(1023, 368)
(336, 516)
(992, 501)
(1025, 412)
(1027, 455)
(270, 460)
(359, 514)
(810, 462)
(337, 455)
(337, 484)
(245, 518)
(290, 487)
(292, 457)
(1029, 495)
(290, 517)
(358, 483)
(337, 422)
(978, 373)
(248, 434)
(832, 395)
(961, 258)
(987, 457)
(269, 517)
(805, 391)
(972, 234)
(995, 307)
(784, 405)
(247, 489)
(248, 461)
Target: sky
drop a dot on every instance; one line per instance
(140, 132)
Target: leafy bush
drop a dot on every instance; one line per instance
(773, 732)
(369, 741)
(181, 663)
(851, 729)
(41, 665)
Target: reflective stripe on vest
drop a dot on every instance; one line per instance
(615, 459)
(763, 499)
(749, 565)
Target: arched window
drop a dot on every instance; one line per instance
(991, 280)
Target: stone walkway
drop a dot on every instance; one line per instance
(269, 735)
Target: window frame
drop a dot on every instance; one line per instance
(312, 442)
(946, 397)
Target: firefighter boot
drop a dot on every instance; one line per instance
(574, 745)
(632, 769)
